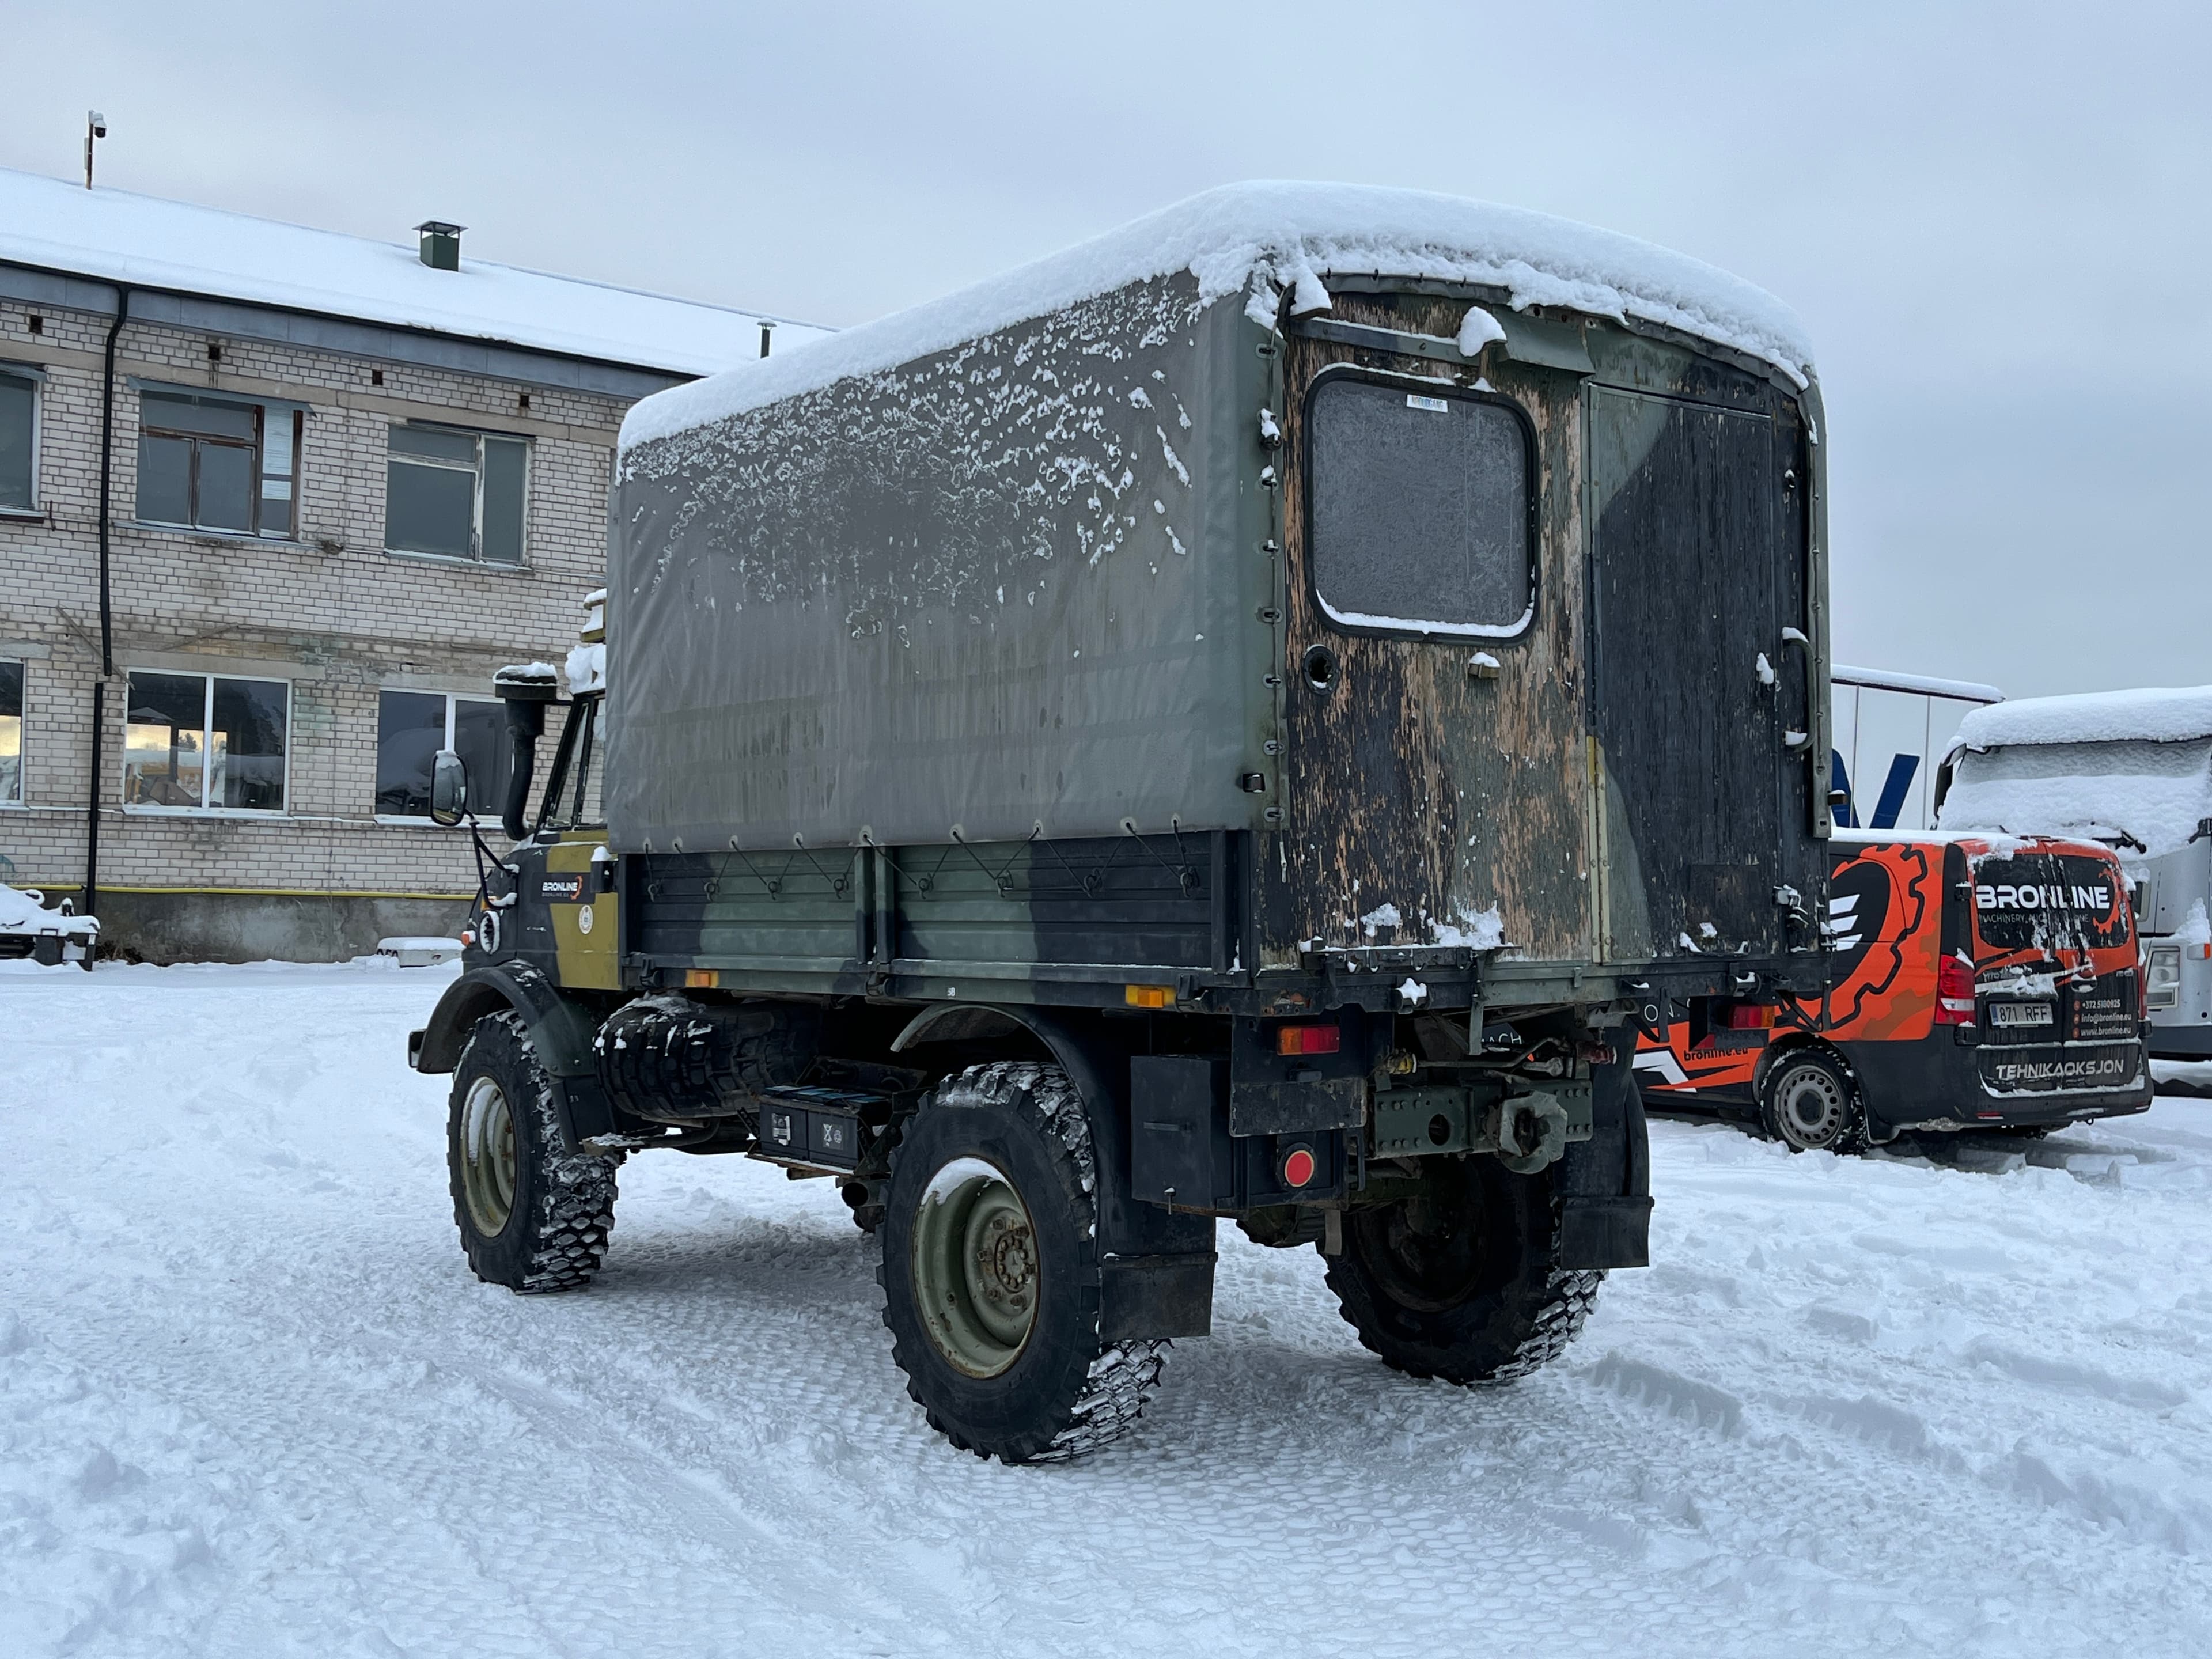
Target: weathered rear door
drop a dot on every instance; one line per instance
(1698, 705)
(1436, 776)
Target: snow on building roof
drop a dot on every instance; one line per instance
(114, 235)
(1261, 240)
(2150, 715)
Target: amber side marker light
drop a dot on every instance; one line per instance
(1308, 1039)
(702, 979)
(1148, 996)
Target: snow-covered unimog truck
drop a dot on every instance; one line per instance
(1238, 721)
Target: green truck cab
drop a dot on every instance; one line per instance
(1243, 721)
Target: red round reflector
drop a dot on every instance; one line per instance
(1299, 1166)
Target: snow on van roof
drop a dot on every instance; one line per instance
(116, 236)
(2150, 715)
(1262, 239)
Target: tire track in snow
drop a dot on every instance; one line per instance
(1860, 1406)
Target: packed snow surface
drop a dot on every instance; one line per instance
(1258, 241)
(252, 1403)
(114, 235)
(2149, 714)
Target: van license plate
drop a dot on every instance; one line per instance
(2020, 1013)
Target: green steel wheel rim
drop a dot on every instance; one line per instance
(975, 1267)
(488, 1157)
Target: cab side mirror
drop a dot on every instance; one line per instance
(449, 789)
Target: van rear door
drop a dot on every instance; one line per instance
(2055, 953)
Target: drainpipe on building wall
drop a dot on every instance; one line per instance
(91, 905)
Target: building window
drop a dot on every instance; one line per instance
(219, 463)
(412, 726)
(19, 442)
(205, 742)
(457, 494)
(11, 734)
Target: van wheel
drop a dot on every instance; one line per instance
(1809, 1104)
(990, 1271)
(533, 1215)
(1462, 1282)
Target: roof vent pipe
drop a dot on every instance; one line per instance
(441, 243)
(767, 329)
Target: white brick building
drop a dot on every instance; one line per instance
(343, 486)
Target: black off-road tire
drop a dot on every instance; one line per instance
(1463, 1284)
(1810, 1103)
(562, 1208)
(1065, 1392)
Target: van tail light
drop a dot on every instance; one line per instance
(1954, 992)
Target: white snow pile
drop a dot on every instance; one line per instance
(2150, 714)
(587, 667)
(252, 1402)
(1480, 930)
(22, 912)
(115, 235)
(1260, 241)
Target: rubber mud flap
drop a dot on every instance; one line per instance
(1605, 1232)
(1604, 1183)
(1142, 1297)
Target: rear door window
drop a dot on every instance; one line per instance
(1418, 509)
(2050, 901)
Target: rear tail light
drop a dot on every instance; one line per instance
(1744, 1017)
(1954, 992)
(1308, 1039)
(2161, 978)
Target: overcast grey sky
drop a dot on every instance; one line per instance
(1993, 218)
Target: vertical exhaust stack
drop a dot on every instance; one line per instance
(525, 688)
(440, 247)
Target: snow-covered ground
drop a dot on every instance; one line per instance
(252, 1402)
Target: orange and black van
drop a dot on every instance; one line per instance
(1978, 982)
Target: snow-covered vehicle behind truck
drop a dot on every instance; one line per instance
(1233, 721)
(2132, 769)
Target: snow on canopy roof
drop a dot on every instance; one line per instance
(1265, 238)
(1925, 685)
(114, 235)
(2151, 714)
